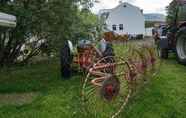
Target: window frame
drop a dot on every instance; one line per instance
(121, 27)
(114, 27)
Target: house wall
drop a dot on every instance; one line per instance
(130, 16)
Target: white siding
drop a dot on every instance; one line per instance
(130, 16)
(148, 31)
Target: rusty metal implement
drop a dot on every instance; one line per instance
(112, 80)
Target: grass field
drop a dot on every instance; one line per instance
(37, 91)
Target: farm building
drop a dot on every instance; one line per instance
(124, 19)
(153, 19)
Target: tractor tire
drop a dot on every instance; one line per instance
(163, 53)
(66, 58)
(181, 46)
(109, 54)
(109, 51)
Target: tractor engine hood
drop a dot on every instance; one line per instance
(7, 20)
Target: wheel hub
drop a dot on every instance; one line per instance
(110, 88)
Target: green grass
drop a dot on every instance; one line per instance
(58, 98)
(163, 97)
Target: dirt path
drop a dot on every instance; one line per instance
(17, 98)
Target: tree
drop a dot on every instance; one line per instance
(30, 16)
(72, 24)
(172, 11)
(176, 14)
(51, 21)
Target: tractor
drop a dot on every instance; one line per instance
(85, 54)
(172, 36)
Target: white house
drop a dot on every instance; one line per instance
(124, 19)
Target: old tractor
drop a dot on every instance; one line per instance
(84, 55)
(172, 36)
(87, 53)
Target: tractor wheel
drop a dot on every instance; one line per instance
(66, 60)
(163, 53)
(108, 54)
(109, 51)
(181, 46)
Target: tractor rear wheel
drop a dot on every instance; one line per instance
(66, 60)
(109, 51)
(181, 46)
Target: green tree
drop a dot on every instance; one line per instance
(176, 14)
(172, 13)
(50, 20)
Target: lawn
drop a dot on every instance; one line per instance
(38, 91)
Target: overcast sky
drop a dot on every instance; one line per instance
(149, 6)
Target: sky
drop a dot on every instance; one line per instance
(148, 6)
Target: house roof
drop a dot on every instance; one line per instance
(126, 3)
(122, 4)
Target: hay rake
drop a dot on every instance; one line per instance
(112, 80)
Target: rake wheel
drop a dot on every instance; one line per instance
(106, 95)
(112, 81)
(145, 65)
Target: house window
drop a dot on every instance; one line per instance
(114, 28)
(120, 26)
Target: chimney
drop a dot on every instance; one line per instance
(121, 1)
